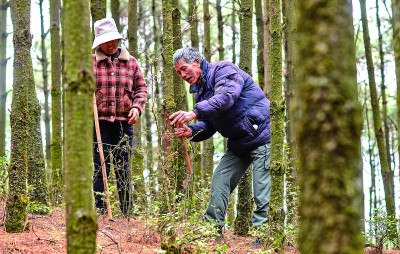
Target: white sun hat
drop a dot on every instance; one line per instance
(105, 30)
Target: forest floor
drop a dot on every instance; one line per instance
(45, 234)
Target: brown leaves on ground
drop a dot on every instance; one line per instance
(45, 234)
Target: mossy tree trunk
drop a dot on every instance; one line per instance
(45, 75)
(23, 76)
(234, 32)
(194, 23)
(387, 174)
(56, 105)
(37, 181)
(329, 129)
(244, 204)
(98, 10)
(208, 145)
(260, 42)
(290, 42)
(3, 74)
(276, 213)
(78, 122)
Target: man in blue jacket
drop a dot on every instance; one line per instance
(230, 102)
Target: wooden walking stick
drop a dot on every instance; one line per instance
(103, 165)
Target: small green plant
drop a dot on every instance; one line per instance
(382, 231)
(37, 208)
(4, 174)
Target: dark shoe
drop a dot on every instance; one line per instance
(101, 211)
(257, 243)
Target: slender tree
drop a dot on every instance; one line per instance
(290, 43)
(329, 128)
(3, 74)
(78, 123)
(221, 50)
(45, 75)
(387, 175)
(260, 42)
(396, 46)
(276, 214)
(244, 207)
(208, 145)
(23, 74)
(266, 20)
(234, 32)
(38, 189)
(56, 105)
(194, 23)
(98, 9)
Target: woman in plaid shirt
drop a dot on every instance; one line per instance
(121, 94)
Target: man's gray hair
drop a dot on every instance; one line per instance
(187, 54)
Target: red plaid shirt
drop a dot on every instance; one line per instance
(120, 85)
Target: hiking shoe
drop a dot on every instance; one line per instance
(257, 242)
(101, 211)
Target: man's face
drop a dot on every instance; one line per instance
(189, 72)
(110, 47)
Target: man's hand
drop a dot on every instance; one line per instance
(133, 116)
(183, 131)
(181, 117)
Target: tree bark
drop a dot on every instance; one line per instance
(3, 74)
(79, 89)
(57, 184)
(244, 206)
(23, 74)
(260, 42)
(329, 124)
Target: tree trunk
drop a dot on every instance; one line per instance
(387, 175)
(37, 181)
(396, 46)
(260, 42)
(244, 206)
(23, 74)
(208, 145)
(78, 122)
(98, 10)
(115, 14)
(57, 184)
(267, 75)
(45, 75)
(194, 23)
(290, 43)
(3, 74)
(234, 32)
(329, 124)
(276, 213)
(220, 32)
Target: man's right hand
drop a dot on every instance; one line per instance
(182, 131)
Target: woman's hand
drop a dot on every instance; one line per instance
(133, 116)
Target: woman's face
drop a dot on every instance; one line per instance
(110, 47)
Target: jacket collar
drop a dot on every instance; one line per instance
(124, 55)
(202, 80)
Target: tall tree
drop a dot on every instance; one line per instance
(38, 189)
(45, 76)
(276, 214)
(3, 74)
(290, 43)
(56, 105)
(244, 207)
(387, 175)
(23, 74)
(208, 145)
(260, 42)
(329, 124)
(383, 86)
(98, 9)
(396, 46)
(78, 123)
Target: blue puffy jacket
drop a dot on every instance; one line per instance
(230, 102)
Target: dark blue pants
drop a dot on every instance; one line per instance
(117, 138)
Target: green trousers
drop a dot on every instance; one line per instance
(226, 177)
